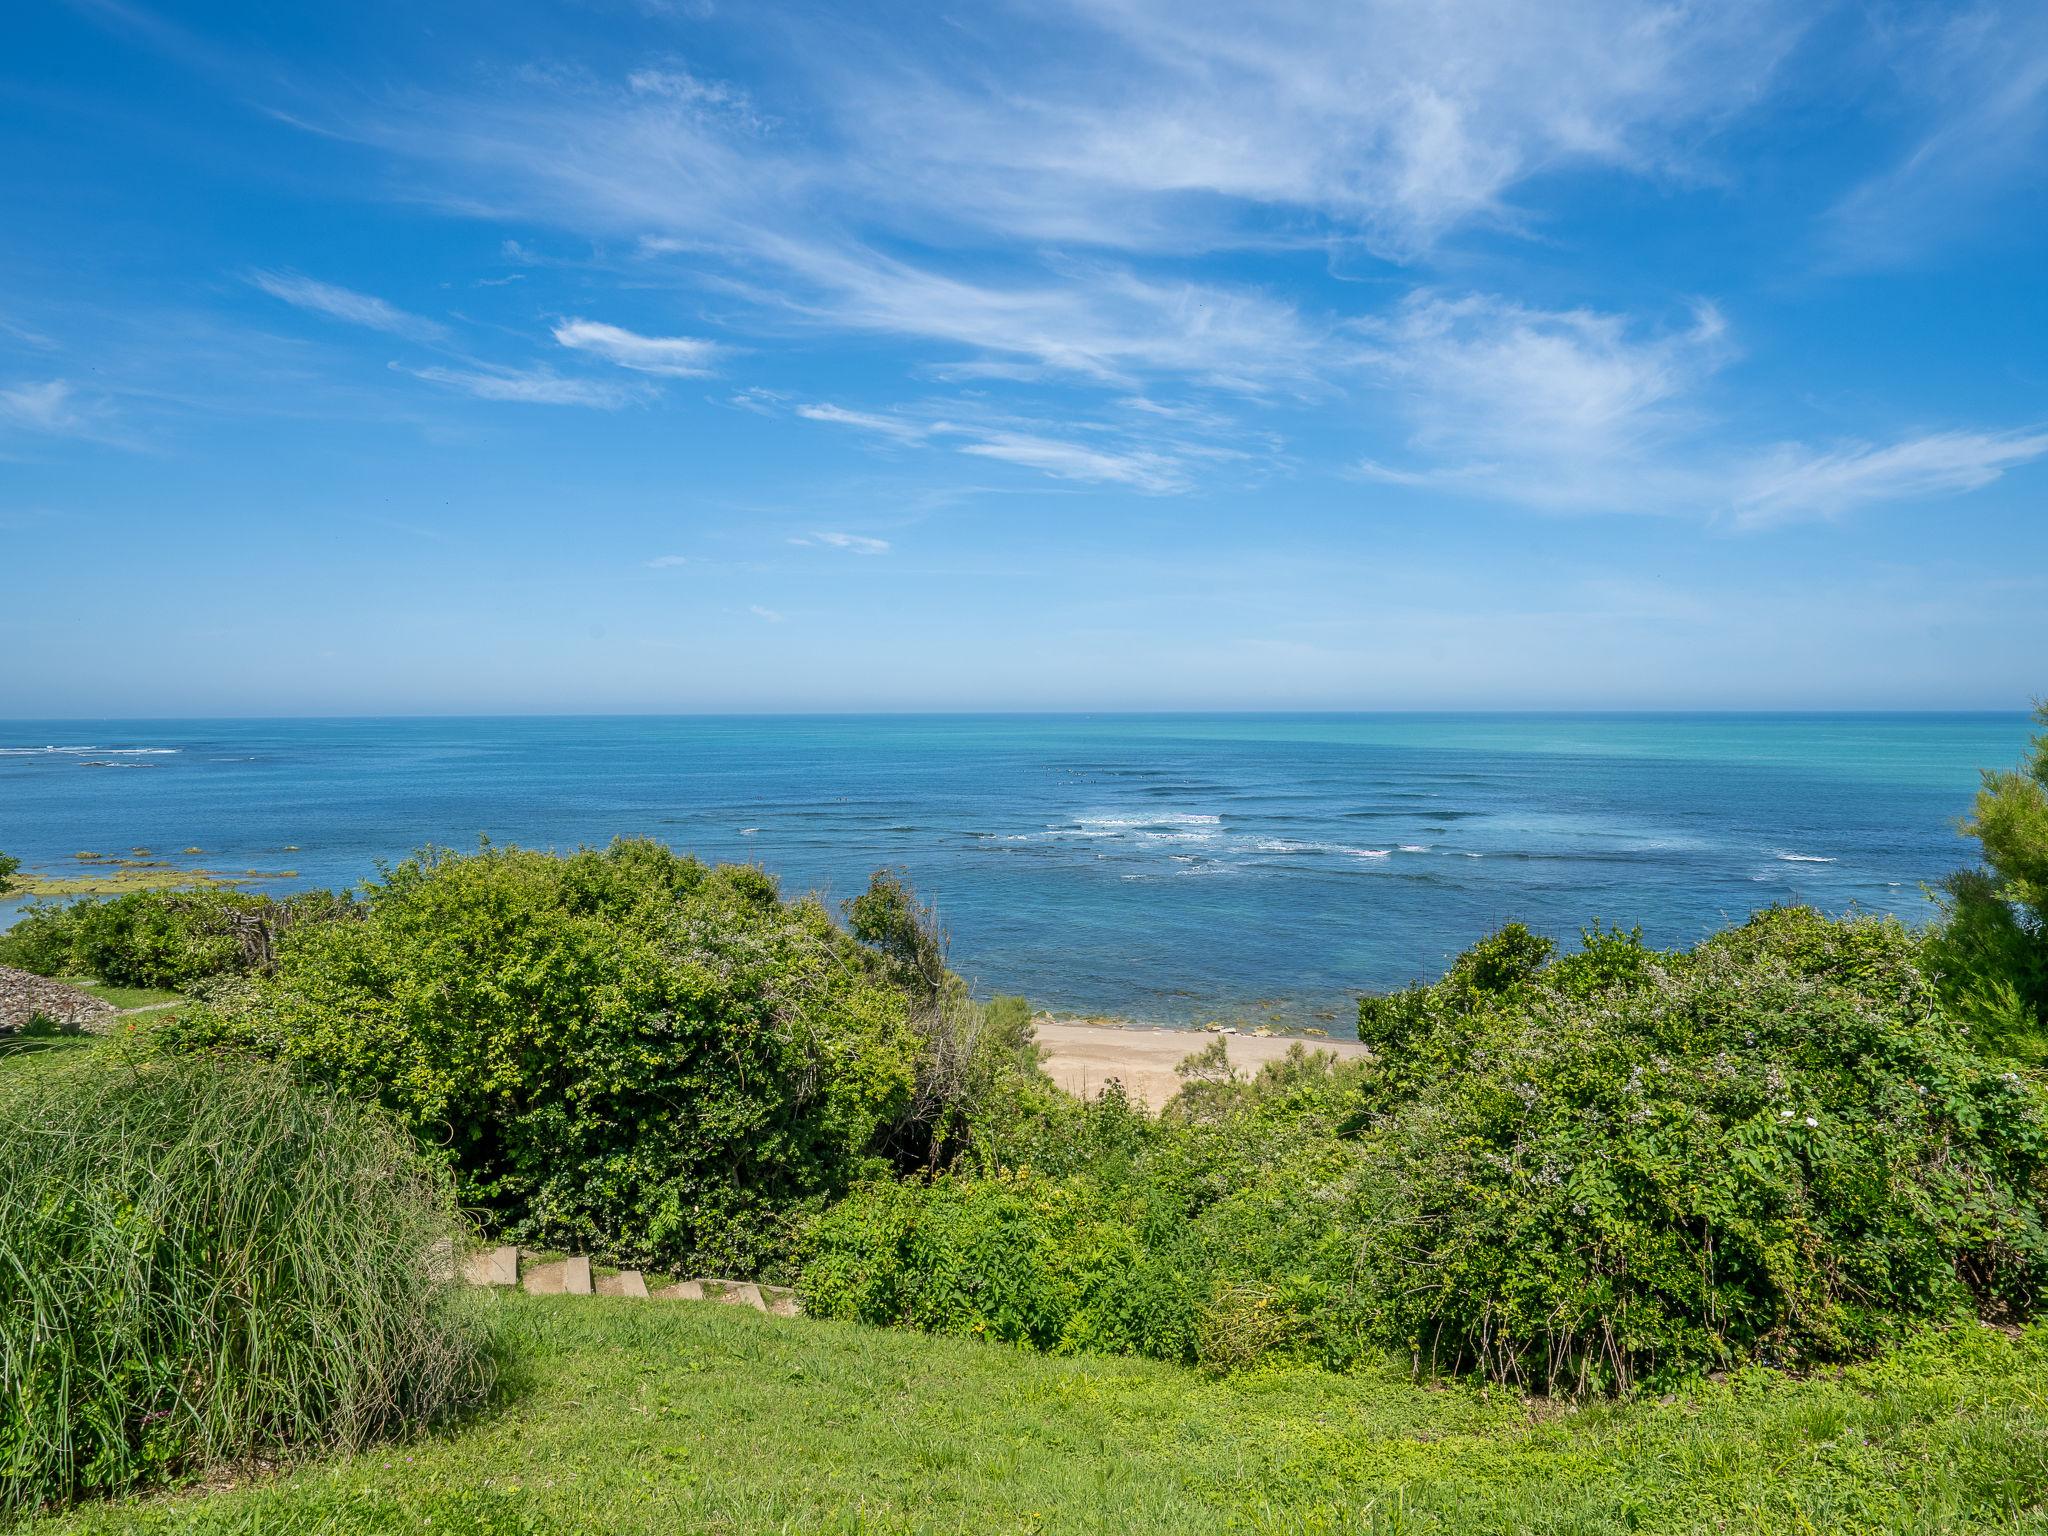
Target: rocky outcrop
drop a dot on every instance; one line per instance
(24, 995)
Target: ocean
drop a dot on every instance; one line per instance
(1175, 868)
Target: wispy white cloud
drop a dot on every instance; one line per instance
(766, 615)
(667, 562)
(528, 386)
(1585, 411)
(1386, 121)
(1571, 409)
(1796, 481)
(51, 406)
(897, 427)
(1038, 234)
(1979, 75)
(1140, 469)
(346, 305)
(671, 356)
(855, 543)
(1093, 452)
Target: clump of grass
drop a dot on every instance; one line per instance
(202, 1265)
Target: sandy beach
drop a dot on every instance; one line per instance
(1083, 1057)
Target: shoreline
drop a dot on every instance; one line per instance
(1084, 1055)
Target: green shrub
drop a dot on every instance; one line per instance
(1622, 1165)
(1774, 1147)
(620, 1051)
(200, 1264)
(167, 939)
(1991, 947)
(1202, 1237)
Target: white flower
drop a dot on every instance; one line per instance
(1811, 1121)
(1784, 1114)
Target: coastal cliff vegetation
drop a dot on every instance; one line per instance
(1801, 1143)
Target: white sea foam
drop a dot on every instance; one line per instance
(1805, 858)
(1142, 823)
(1415, 847)
(82, 751)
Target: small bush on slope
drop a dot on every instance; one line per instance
(169, 939)
(1619, 1166)
(201, 1263)
(623, 1051)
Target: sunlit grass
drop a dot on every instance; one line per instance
(679, 1417)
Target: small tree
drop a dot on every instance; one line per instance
(8, 866)
(1992, 945)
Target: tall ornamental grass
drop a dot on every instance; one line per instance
(202, 1265)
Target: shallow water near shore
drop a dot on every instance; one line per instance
(1163, 867)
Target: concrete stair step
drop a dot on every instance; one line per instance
(565, 1277)
(496, 1266)
(572, 1277)
(742, 1293)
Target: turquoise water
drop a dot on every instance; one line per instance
(1168, 867)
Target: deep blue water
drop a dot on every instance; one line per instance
(1166, 867)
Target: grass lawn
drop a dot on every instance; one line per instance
(123, 997)
(632, 1416)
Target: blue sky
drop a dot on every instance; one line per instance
(1050, 354)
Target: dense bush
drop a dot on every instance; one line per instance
(1208, 1235)
(169, 939)
(1572, 1173)
(1991, 947)
(623, 1051)
(199, 1264)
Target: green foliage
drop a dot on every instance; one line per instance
(889, 919)
(9, 867)
(621, 1052)
(1774, 1147)
(1622, 1166)
(1203, 1237)
(200, 1263)
(976, 1063)
(1991, 949)
(164, 939)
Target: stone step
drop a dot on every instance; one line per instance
(546, 1279)
(742, 1293)
(496, 1266)
(572, 1277)
(565, 1277)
